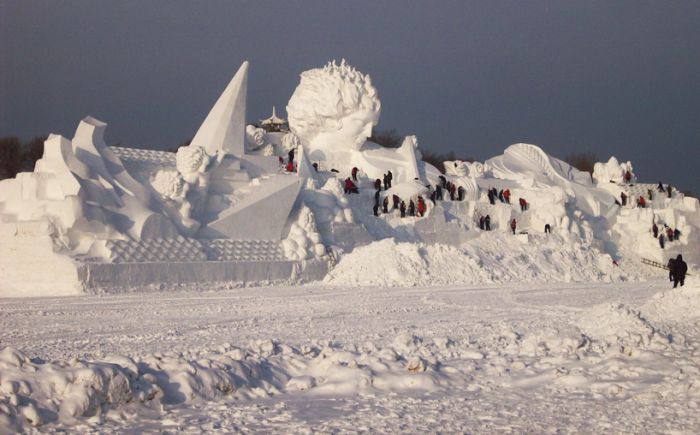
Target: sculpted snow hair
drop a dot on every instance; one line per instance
(326, 95)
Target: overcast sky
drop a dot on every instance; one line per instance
(612, 77)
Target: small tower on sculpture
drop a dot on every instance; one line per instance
(274, 123)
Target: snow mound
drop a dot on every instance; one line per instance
(38, 393)
(619, 325)
(491, 258)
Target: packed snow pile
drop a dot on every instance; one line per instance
(39, 393)
(491, 258)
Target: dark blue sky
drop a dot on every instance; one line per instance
(612, 77)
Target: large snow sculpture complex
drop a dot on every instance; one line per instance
(224, 209)
(109, 217)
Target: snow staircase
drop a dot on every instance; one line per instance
(183, 250)
(179, 249)
(243, 250)
(141, 164)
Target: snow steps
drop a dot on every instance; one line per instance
(141, 164)
(141, 155)
(181, 249)
(155, 250)
(634, 191)
(243, 250)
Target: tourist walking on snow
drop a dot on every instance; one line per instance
(377, 194)
(680, 268)
(669, 190)
(460, 193)
(395, 200)
(389, 179)
(492, 200)
(661, 241)
(506, 196)
(671, 266)
(660, 187)
(655, 230)
(523, 204)
(438, 192)
(354, 174)
(378, 184)
(650, 195)
(623, 198)
(513, 225)
(375, 209)
(451, 189)
(481, 223)
(547, 229)
(487, 223)
(421, 206)
(628, 177)
(402, 208)
(385, 205)
(669, 234)
(350, 186)
(641, 202)
(411, 208)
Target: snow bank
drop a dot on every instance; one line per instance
(37, 393)
(491, 258)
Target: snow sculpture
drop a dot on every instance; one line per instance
(223, 130)
(464, 174)
(456, 168)
(169, 184)
(333, 109)
(85, 192)
(290, 141)
(304, 241)
(612, 171)
(191, 162)
(255, 137)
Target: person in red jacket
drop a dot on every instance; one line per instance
(290, 166)
(421, 206)
(523, 204)
(513, 225)
(641, 202)
(350, 186)
(506, 196)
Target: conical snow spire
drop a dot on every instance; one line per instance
(224, 127)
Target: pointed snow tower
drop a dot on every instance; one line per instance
(234, 209)
(224, 127)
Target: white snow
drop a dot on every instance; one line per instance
(614, 357)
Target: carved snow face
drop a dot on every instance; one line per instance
(354, 130)
(333, 108)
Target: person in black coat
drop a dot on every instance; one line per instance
(680, 268)
(487, 223)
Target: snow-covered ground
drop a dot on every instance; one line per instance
(512, 357)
